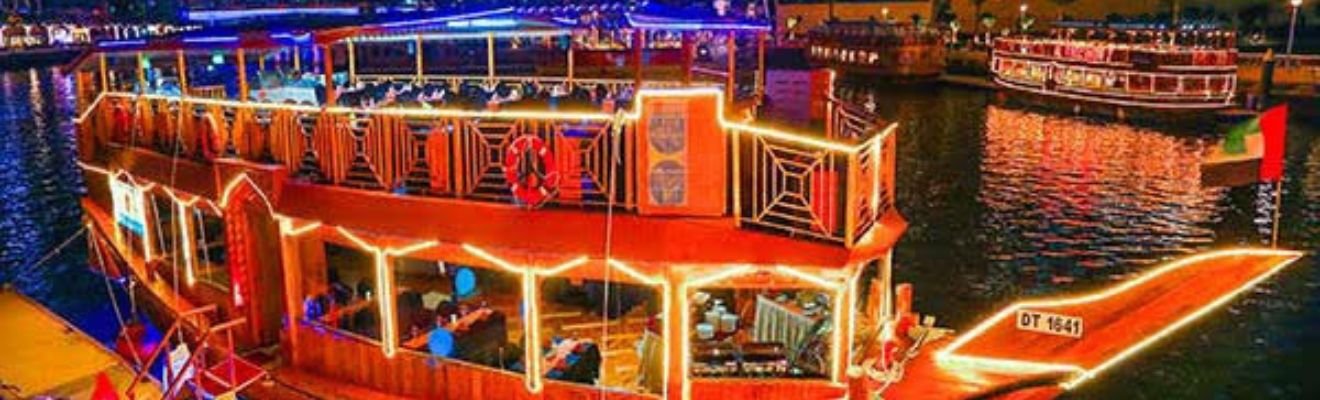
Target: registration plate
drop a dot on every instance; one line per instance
(1054, 324)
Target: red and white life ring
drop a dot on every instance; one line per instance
(530, 170)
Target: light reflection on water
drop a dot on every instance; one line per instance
(1006, 203)
(1072, 200)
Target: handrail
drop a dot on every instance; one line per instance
(175, 384)
(448, 151)
(176, 327)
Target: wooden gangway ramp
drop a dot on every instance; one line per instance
(41, 354)
(1040, 348)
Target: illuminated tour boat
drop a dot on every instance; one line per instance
(1126, 65)
(889, 49)
(523, 204)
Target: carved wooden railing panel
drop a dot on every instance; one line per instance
(792, 188)
(835, 190)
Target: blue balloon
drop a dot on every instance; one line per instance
(441, 342)
(465, 283)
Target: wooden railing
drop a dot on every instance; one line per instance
(832, 187)
(611, 84)
(355, 359)
(829, 193)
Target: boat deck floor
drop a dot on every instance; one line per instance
(1117, 322)
(44, 355)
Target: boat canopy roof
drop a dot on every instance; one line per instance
(299, 30)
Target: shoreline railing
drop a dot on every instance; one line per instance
(833, 188)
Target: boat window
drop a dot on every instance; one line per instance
(604, 333)
(459, 312)
(211, 264)
(760, 333)
(347, 301)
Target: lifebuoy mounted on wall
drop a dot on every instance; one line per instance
(530, 170)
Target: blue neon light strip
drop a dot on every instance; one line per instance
(445, 19)
(211, 39)
(691, 25)
(221, 15)
(121, 43)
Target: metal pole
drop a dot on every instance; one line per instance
(1292, 26)
(1278, 212)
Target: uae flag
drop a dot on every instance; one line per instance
(1272, 126)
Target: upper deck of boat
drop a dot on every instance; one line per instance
(367, 157)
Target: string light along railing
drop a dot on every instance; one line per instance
(855, 223)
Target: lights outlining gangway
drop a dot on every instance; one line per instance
(1122, 321)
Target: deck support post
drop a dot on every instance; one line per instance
(731, 45)
(352, 60)
(261, 62)
(638, 46)
(105, 75)
(760, 66)
(569, 75)
(183, 71)
(329, 77)
(689, 56)
(297, 59)
(242, 75)
(141, 73)
(419, 68)
(676, 375)
(490, 57)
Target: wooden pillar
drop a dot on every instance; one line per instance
(887, 286)
(105, 74)
(297, 59)
(389, 336)
(419, 67)
(141, 73)
(242, 75)
(291, 266)
(490, 56)
(352, 61)
(183, 71)
(676, 341)
(329, 77)
(531, 330)
(731, 45)
(261, 62)
(569, 75)
(760, 66)
(638, 46)
(689, 55)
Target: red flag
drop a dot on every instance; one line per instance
(104, 390)
(1274, 127)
